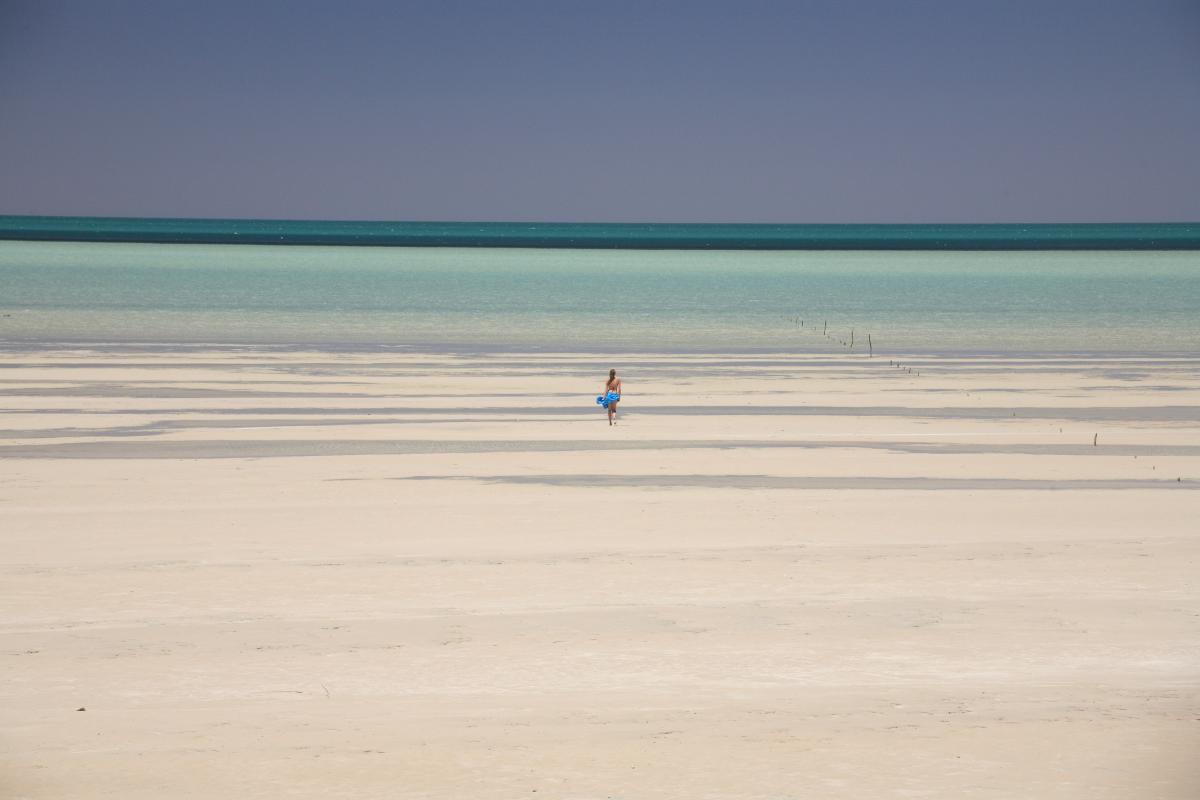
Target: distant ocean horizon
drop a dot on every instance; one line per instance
(617, 235)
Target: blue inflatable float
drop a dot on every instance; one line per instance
(605, 399)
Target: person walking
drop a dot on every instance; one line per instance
(611, 396)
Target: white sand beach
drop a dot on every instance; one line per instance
(263, 573)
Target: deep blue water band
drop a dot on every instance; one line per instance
(653, 236)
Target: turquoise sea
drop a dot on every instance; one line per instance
(610, 235)
(608, 300)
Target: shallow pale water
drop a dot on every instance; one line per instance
(604, 300)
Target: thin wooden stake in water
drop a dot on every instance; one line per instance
(825, 328)
(852, 338)
(870, 347)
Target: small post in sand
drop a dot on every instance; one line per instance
(1094, 438)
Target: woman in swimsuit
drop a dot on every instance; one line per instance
(612, 394)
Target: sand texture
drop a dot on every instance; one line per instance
(272, 574)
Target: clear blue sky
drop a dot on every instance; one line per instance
(836, 111)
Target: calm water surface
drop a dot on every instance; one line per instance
(604, 300)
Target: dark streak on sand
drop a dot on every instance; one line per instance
(1068, 413)
(807, 482)
(293, 448)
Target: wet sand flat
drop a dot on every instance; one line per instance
(271, 573)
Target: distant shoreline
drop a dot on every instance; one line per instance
(750, 356)
(625, 236)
